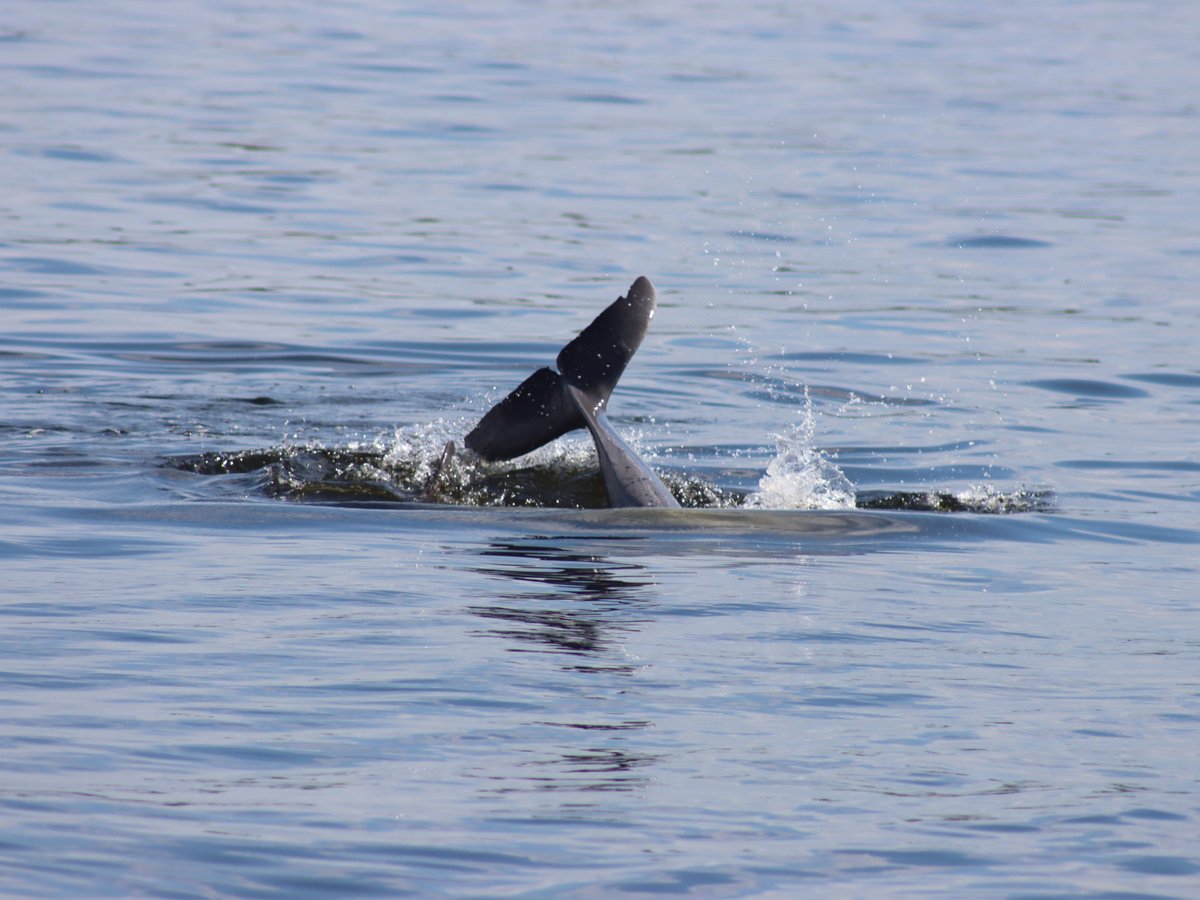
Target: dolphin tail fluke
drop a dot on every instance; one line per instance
(541, 409)
(595, 360)
(537, 412)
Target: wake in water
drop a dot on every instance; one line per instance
(411, 467)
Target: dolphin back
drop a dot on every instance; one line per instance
(541, 408)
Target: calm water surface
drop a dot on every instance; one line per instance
(259, 262)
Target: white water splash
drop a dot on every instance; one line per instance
(801, 476)
(419, 446)
(986, 498)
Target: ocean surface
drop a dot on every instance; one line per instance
(925, 373)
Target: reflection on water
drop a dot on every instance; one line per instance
(562, 600)
(554, 621)
(583, 575)
(591, 769)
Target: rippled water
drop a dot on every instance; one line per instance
(260, 262)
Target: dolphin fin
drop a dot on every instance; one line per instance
(595, 360)
(541, 409)
(537, 412)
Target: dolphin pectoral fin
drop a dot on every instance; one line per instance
(535, 413)
(438, 474)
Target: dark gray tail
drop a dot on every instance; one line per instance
(541, 408)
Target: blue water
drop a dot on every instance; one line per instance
(260, 261)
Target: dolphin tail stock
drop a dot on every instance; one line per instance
(627, 479)
(542, 407)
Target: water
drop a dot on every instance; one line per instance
(260, 262)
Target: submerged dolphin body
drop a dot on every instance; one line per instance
(548, 404)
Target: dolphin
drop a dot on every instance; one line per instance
(548, 404)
